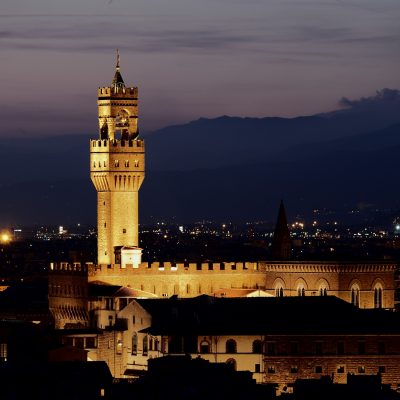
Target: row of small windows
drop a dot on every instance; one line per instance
(147, 344)
(301, 291)
(378, 296)
(270, 348)
(323, 291)
(116, 164)
(340, 369)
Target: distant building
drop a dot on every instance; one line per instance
(280, 340)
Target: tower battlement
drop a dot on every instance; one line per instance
(120, 145)
(106, 91)
(117, 165)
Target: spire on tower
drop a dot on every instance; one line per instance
(118, 82)
(281, 242)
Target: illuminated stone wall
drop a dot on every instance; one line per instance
(68, 295)
(193, 279)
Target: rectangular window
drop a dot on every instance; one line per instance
(294, 348)
(271, 348)
(222, 267)
(126, 163)
(271, 369)
(91, 343)
(257, 368)
(294, 369)
(381, 348)
(318, 369)
(361, 347)
(381, 369)
(116, 163)
(123, 230)
(133, 320)
(318, 348)
(340, 348)
(361, 369)
(340, 369)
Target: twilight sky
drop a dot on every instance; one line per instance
(190, 58)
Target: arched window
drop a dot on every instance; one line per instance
(301, 288)
(279, 287)
(355, 295)
(232, 362)
(145, 345)
(134, 343)
(205, 347)
(323, 287)
(257, 347)
(230, 346)
(378, 295)
(301, 291)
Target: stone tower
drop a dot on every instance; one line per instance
(281, 242)
(117, 172)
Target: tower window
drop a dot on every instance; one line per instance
(136, 163)
(105, 164)
(116, 163)
(94, 164)
(123, 230)
(126, 163)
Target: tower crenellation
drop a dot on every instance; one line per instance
(117, 166)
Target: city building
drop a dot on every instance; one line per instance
(117, 172)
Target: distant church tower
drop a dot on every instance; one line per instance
(117, 172)
(281, 242)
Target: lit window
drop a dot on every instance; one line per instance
(126, 163)
(145, 345)
(340, 369)
(294, 369)
(3, 352)
(136, 163)
(355, 295)
(378, 296)
(361, 369)
(116, 163)
(134, 343)
(271, 369)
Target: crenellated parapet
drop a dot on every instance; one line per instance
(65, 268)
(164, 268)
(106, 92)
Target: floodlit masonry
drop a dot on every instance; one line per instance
(117, 168)
(117, 172)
